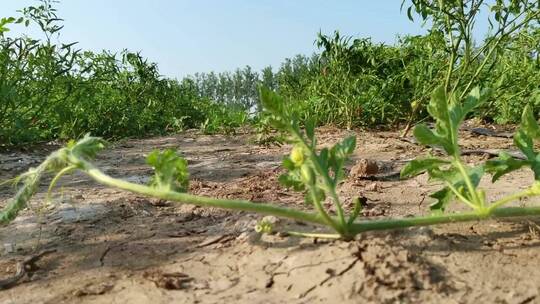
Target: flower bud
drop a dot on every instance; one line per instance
(297, 155)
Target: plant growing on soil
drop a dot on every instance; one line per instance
(318, 173)
(460, 180)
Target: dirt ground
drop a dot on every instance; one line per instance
(110, 246)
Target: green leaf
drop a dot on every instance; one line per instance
(409, 13)
(291, 180)
(524, 140)
(443, 197)
(348, 145)
(271, 101)
(472, 101)
(525, 144)
(438, 106)
(453, 177)
(310, 130)
(288, 163)
(317, 192)
(448, 113)
(419, 166)
(87, 147)
(503, 164)
(426, 136)
(529, 125)
(170, 171)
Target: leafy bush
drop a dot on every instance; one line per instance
(318, 173)
(53, 90)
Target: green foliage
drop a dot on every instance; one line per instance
(53, 90)
(447, 117)
(528, 132)
(318, 174)
(460, 180)
(170, 171)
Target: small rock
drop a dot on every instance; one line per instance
(9, 247)
(372, 187)
(364, 168)
(271, 219)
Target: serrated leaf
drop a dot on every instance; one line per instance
(170, 171)
(503, 164)
(291, 180)
(288, 163)
(443, 198)
(453, 177)
(426, 136)
(529, 125)
(419, 166)
(87, 147)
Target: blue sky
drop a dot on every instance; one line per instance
(185, 37)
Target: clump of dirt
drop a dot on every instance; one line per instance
(394, 273)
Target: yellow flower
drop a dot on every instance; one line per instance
(297, 155)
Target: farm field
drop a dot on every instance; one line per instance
(194, 153)
(115, 247)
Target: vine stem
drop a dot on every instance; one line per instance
(353, 229)
(472, 190)
(506, 212)
(513, 197)
(70, 159)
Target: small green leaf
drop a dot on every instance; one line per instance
(503, 165)
(87, 147)
(419, 166)
(288, 163)
(425, 136)
(170, 171)
(291, 180)
(443, 197)
(529, 125)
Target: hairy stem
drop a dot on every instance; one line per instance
(470, 187)
(363, 226)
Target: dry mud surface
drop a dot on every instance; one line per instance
(110, 246)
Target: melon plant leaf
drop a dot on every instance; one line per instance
(418, 166)
(460, 179)
(426, 136)
(504, 164)
(448, 114)
(87, 147)
(529, 125)
(338, 154)
(524, 140)
(170, 171)
(453, 177)
(291, 180)
(443, 198)
(318, 193)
